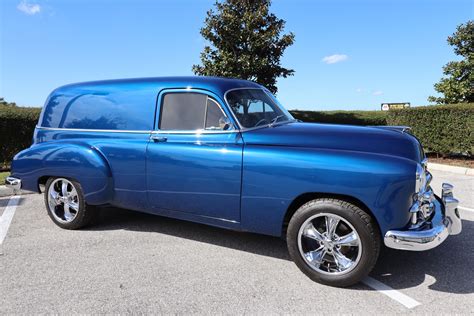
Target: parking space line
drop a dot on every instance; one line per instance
(466, 208)
(401, 298)
(7, 217)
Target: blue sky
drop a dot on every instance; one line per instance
(347, 54)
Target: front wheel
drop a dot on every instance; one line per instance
(65, 203)
(333, 242)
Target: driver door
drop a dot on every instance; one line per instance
(194, 157)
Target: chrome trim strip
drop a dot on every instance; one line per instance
(220, 108)
(197, 131)
(93, 130)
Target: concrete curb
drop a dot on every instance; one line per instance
(4, 191)
(453, 169)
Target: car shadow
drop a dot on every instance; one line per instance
(115, 219)
(449, 265)
(4, 201)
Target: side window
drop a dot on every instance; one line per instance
(188, 111)
(105, 107)
(183, 111)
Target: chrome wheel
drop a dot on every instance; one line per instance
(63, 200)
(329, 244)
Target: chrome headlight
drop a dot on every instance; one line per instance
(420, 178)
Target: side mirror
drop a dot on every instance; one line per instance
(224, 123)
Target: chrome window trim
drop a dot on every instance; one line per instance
(240, 129)
(220, 108)
(195, 132)
(248, 129)
(209, 95)
(198, 131)
(94, 130)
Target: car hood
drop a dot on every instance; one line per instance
(386, 140)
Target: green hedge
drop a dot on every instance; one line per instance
(342, 117)
(445, 130)
(16, 130)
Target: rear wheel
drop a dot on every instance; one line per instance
(333, 242)
(65, 203)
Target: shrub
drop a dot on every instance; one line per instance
(445, 130)
(442, 129)
(16, 130)
(342, 117)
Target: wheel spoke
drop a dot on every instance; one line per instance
(342, 262)
(316, 256)
(331, 225)
(74, 206)
(64, 188)
(67, 214)
(53, 197)
(53, 203)
(73, 193)
(311, 232)
(350, 239)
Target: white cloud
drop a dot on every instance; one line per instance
(359, 90)
(29, 8)
(377, 92)
(336, 58)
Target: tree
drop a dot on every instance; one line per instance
(458, 84)
(246, 43)
(6, 103)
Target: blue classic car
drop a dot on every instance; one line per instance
(224, 152)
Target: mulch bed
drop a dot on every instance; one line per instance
(460, 162)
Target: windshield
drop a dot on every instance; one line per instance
(256, 107)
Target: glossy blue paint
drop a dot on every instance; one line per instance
(199, 174)
(238, 179)
(196, 173)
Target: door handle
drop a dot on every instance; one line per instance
(158, 139)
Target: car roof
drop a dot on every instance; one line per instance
(218, 85)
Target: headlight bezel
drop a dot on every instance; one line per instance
(421, 177)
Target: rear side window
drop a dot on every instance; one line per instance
(105, 107)
(190, 111)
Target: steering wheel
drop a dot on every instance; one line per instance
(261, 122)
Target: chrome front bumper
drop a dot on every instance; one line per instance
(444, 222)
(14, 184)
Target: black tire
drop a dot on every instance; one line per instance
(84, 215)
(362, 223)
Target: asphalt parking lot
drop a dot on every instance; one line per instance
(136, 263)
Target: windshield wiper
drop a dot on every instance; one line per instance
(275, 119)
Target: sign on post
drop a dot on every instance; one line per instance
(392, 106)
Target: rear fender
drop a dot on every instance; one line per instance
(77, 161)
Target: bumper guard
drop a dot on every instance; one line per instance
(445, 221)
(14, 184)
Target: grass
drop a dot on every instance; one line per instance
(3, 175)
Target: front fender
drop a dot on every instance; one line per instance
(274, 176)
(77, 161)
